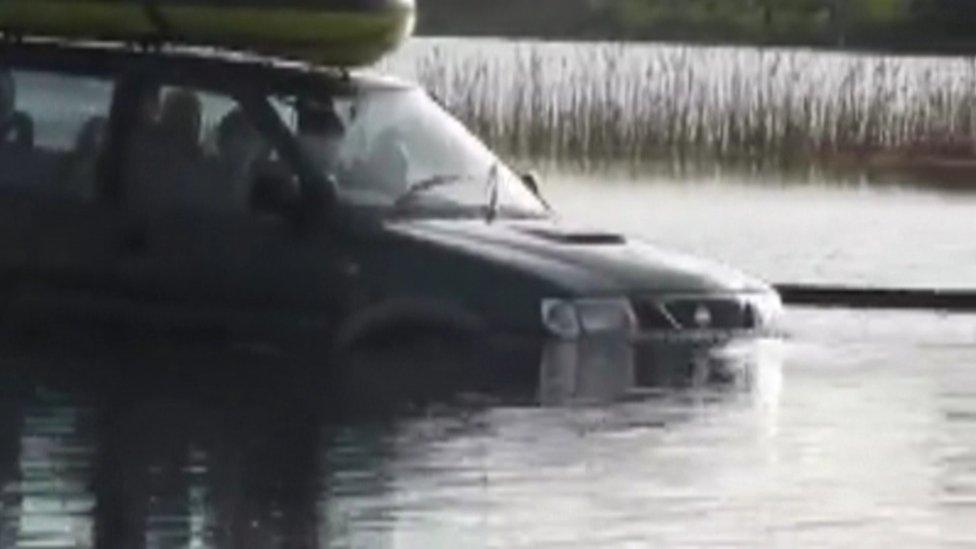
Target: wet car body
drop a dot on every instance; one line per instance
(533, 301)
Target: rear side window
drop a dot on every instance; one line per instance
(52, 131)
(192, 150)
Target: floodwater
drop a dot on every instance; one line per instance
(811, 232)
(861, 433)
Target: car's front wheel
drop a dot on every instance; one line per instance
(407, 368)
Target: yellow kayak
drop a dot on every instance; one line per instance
(333, 32)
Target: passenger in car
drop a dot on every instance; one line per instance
(240, 148)
(180, 120)
(389, 163)
(321, 131)
(16, 128)
(77, 175)
(148, 106)
(166, 159)
(133, 112)
(19, 169)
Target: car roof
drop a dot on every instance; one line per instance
(200, 63)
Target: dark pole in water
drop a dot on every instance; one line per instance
(865, 298)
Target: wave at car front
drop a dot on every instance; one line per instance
(603, 348)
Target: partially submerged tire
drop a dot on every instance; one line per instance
(402, 369)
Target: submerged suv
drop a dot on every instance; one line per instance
(182, 190)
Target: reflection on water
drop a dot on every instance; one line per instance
(864, 433)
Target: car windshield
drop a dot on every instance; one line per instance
(397, 149)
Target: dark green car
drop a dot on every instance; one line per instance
(180, 190)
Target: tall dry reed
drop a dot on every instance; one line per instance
(593, 103)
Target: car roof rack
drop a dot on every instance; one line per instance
(338, 33)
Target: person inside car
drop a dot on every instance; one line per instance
(240, 150)
(16, 128)
(78, 171)
(165, 156)
(389, 163)
(180, 120)
(321, 132)
(148, 106)
(20, 168)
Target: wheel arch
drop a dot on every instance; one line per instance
(407, 315)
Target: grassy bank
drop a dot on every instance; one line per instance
(696, 107)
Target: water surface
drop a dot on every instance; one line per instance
(818, 233)
(863, 434)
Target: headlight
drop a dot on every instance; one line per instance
(560, 318)
(571, 318)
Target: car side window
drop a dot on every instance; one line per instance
(52, 132)
(192, 150)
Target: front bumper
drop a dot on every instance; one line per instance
(600, 368)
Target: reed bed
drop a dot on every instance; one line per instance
(687, 106)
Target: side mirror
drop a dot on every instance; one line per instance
(275, 192)
(531, 181)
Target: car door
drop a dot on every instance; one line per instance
(58, 237)
(199, 258)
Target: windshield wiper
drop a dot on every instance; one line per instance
(418, 188)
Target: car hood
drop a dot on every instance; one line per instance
(580, 261)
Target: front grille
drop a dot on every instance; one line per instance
(694, 314)
(722, 314)
(650, 315)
